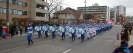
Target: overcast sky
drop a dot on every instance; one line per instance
(111, 3)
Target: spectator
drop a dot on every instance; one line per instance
(20, 30)
(118, 35)
(12, 32)
(122, 34)
(126, 34)
(3, 34)
(0, 30)
(130, 29)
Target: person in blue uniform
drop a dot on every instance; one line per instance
(82, 35)
(73, 33)
(39, 32)
(30, 32)
(63, 32)
(53, 31)
(46, 31)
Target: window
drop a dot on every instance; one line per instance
(20, 12)
(0, 0)
(39, 6)
(10, 1)
(24, 4)
(42, 0)
(40, 14)
(46, 15)
(0, 10)
(10, 11)
(15, 2)
(15, 11)
(3, 0)
(24, 12)
(20, 3)
(4, 10)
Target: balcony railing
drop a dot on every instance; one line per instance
(42, 18)
(42, 2)
(41, 10)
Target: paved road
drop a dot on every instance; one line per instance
(103, 43)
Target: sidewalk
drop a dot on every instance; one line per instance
(131, 40)
(117, 42)
(17, 35)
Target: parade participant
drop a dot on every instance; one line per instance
(63, 30)
(73, 33)
(79, 33)
(94, 31)
(91, 33)
(67, 30)
(46, 31)
(53, 31)
(82, 35)
(59, 30)
(87, 33)
(39, 31)
(30, 32)
(82, 32)
(70, 30)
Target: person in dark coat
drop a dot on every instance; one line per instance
(122, 33)
(130, 29)
(20, 30)
(1, 30)
(126, 34)
(12, 32)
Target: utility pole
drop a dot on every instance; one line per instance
(85, 11)
(7, 15)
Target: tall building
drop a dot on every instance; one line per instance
(102, 11)
(113, 14)
(34, 9)
(39, 10)
(120, 11)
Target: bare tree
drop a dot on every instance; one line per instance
(53, 4)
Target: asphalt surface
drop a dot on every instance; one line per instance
(102, 43)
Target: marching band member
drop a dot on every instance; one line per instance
(63, 30)
(53, 31)
(82, 35)
(79, 33)
(59, 30)
(30, 32)
(87, 33)
(73, 32)
(46, 31)
(39, 32)
(70, 30)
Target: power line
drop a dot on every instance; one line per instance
(69, 5)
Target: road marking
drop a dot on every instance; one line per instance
(67, 51)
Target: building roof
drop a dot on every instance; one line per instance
(75, 13)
